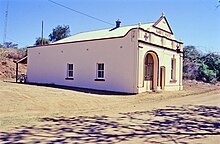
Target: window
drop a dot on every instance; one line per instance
(69, 70)
(100, 71)
(173, 69)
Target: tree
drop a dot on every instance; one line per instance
(1, 46)
(218, 4)
(191, 71)
(191, 62)
(212, 67)
(191, 54)
(201, 67)
(207, 75)
(10, 45)
(59, 33)
(15, 54)
(39, 41)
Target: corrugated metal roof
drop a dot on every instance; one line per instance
(100, 34)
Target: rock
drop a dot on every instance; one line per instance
(4, 62)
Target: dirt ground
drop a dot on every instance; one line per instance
(40, 114)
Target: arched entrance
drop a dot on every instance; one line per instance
(151, 70)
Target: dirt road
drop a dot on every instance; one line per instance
(32, 114)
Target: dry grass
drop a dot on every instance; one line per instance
(30, 113)
(7, 66)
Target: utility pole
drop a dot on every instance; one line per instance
(6, 21)
(42, 33)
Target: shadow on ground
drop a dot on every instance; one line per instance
(161, 126)
(78, 89)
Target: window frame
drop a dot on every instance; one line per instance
(100, 68)
(68, 70)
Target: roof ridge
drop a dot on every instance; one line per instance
(102, 33)
(110, 28)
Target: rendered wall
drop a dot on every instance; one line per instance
(165, 57)
(165, 52)
(48, 64)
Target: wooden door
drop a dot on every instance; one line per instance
(162, 77)
(149, 70)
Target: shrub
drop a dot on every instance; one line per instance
(207, 75)
(200, 67)
(190, 71)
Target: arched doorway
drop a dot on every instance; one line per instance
(151, 70)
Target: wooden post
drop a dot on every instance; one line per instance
(16, 72)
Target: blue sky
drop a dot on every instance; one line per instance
(196, 22)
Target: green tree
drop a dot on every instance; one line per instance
(206, 74)
(10, 45)
(191, 54)
(200, 67)
(39, 41)
(212, 61)
(59, 33)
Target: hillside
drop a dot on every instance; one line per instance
(7, 66)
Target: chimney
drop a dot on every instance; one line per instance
(118, 22)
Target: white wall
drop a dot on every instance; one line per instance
(165, 57)
(48, 64)
(123, 59)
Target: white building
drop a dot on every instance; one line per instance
(130, 59)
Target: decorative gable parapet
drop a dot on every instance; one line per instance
(154, 38)
(162, 25)
(160, 34)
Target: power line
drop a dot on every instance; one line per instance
(80, 12)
